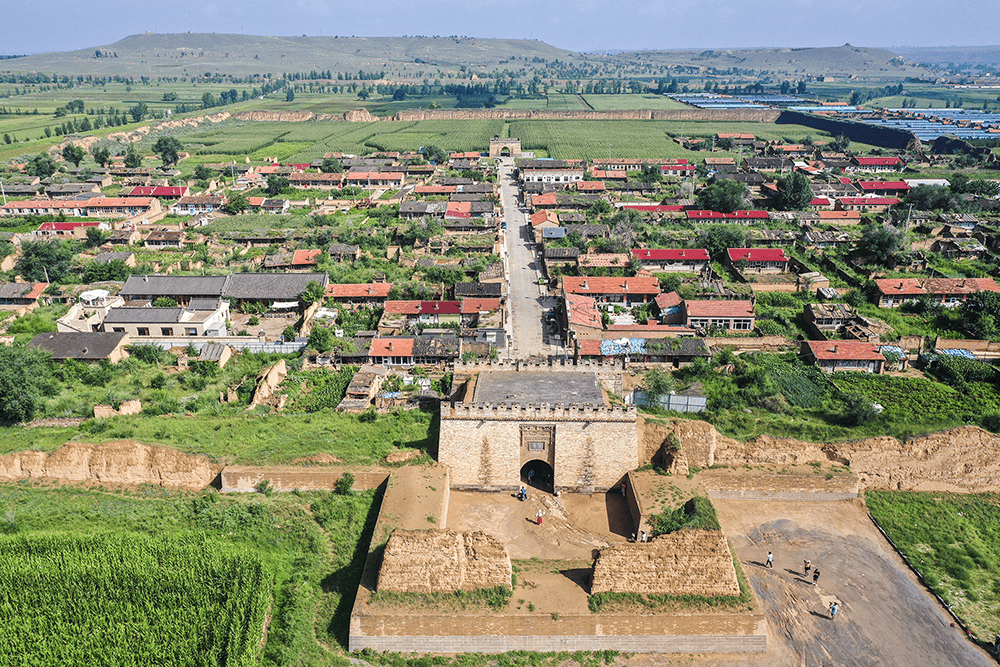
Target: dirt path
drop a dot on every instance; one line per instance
(886, 618)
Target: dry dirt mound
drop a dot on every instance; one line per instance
(117, 462)
(687, 562)
(960, 460)
(430, 561)
(283, 116)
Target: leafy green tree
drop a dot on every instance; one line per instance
(716, 239)
(203, 173)
(101, 155)
(236, 203)
(167, 149)
(435, 154)
(275, 184)
(331, 165)
(887, 245)
(651, 173)
(164, 302)
(321, 339)
(25, 377)
(657, 382)
(132, 158)
(981, 313)
(73, 153)
(794, 193)
(289, 95)
(39, 260)
(599, 208)
(139, 111)
(42, 166)
(724, 196)
(314, 292)
(95, 237)
(97, 272)
(931, 198)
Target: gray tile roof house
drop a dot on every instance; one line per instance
(82, 346)
(271, 286)
(181, 288)
(241, 286)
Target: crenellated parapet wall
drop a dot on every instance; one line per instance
(526, 412)
(568, 365)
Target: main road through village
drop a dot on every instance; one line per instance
(526, 300)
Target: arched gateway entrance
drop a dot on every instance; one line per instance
(537, 474)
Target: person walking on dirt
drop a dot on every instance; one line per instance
(833, 610)
(531, 476)
(538, 517)
(770, 560)
(806, 566)
(816, 577)
(522, 495)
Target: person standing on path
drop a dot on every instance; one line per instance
(833, 609)
(538, 517)
(816, 577)
(770, 560)
(531, 475)
(806, 566)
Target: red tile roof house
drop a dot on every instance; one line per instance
(843, 355)
(359, 292)
(583, 317)
(877, 164)
(953, 291)
(729, 315)
(68, 229)
(669, 259)
(391, 351)
(638, 289)
(871, 204)
(894, 292)
(758, 260)
(167, 192)
(316, 181)
(376, 179)
(884, 188)
(602, 260)
(734, 218)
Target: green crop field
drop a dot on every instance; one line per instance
(149, 576)
(131, 600)
(954, 542)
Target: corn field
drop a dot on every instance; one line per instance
(130, 600)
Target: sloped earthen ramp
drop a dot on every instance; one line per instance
(443, 561)
(686, 562)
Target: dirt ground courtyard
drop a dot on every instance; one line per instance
(555, 559)
(885, 617)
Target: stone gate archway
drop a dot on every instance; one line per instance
(505, 147)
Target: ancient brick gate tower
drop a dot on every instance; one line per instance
(554, 425)
(500, 147)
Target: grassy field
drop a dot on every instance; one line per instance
(954, 542)
(253, 439)
(163, 550)
(134, 599)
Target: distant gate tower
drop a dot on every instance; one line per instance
(500, 147)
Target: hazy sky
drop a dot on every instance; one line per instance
(578, 25)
